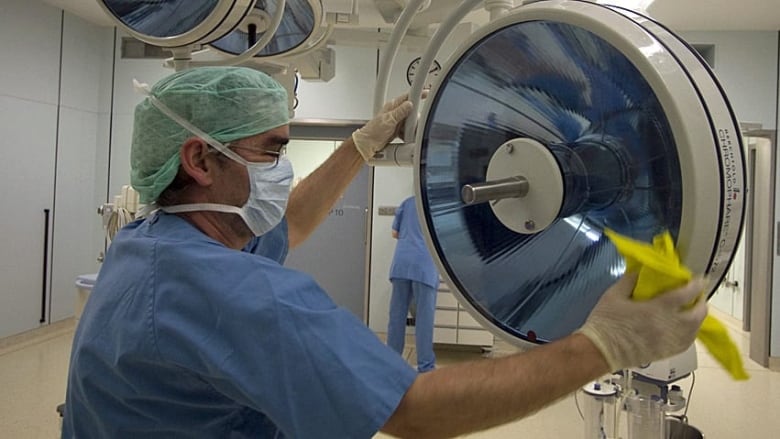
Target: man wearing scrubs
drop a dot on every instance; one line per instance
(195, 329)
(414, 277)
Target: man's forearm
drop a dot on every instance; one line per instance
(311, 200)
(470, 397)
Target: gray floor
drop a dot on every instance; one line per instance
(33, 370)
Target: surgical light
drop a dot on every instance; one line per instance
(552, 123)
(177, 23)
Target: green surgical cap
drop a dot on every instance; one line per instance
(227, 103)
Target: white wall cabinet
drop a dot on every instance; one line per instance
(27, 174)
(452, 324)
(50, 114)
(28, 119)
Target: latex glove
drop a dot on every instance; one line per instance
(383, 128)
(660, 269)
(631, 333)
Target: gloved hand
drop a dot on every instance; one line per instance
(383, 128)
(631, 333)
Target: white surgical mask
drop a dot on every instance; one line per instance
(269, 189)
(269, 183)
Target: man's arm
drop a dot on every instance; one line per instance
(619, 333)
(311, 200)
(474, 396)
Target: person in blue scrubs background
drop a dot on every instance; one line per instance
(415, 279)
(195, 329)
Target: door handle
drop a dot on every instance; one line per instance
(45, 264)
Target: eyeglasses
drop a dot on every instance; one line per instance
(277, 154)
(260, 155)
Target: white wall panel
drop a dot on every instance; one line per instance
(746, 66)
(27, 178)
(308, 155)
(86, 50)
(349, 95)
(100, 192)
(30, 50)
(45, 51)
(75, 249)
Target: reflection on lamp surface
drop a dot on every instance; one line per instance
(296, 26)
(161, 18)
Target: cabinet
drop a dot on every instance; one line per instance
(49, 116)
(28, 119)
(452, 324)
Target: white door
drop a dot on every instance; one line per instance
(28, 120)
(27, 176)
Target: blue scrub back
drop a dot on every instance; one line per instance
(411, 260)
(183, 337)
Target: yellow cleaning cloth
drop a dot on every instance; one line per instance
(660, 270)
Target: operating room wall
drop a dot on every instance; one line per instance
(82, 157)
(746, 64)
(52, 114)
(125, 99)
(349, 95)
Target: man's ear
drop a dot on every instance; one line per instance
(195, 161)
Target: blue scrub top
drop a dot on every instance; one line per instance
(411, 260)
(184, 337)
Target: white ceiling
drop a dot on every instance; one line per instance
(679, 15)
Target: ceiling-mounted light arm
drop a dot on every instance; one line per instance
(441, 34)
(276, 20)
(497, 8)
(182, 56)
(391, 49)
(322, 40)
(424, 7)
